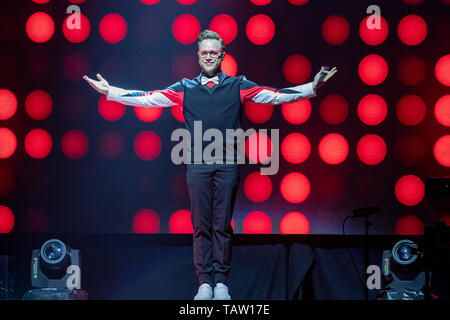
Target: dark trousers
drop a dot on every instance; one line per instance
(212, 190)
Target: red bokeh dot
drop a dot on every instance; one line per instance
(372, 109)
(257, 187)
(180, 222)
(147, 145)
(40, 27)
(148, 114)
(298, 2)
(110, 110)
(40, 1)
(297, 69)
(177, 113)
(258, 113)
(257, 222)
(410, 110)
(73, 33)
(260, 2)
(258, 147)
(146, 221)
(409, 190)
(295, 148)
(113, 28)
(75, 65)
(294, 223)
(334, 109)
(225, 26)
(8, 143)
(442, 110)
(149, 1)
(74, 144)
(186, 28)
(335, 29)
(409, 225)
(377, 34)
(260, 29)
(373, 70)
(411, 70)
(6, 220)
(412, 30)
(410, 149)
(441, 150)
(8, 104)
(295, 187)
(38, 105)
(297, 112)
(333, 148)
(229, 65)
(38, 143)
(111, 144)
(442, 70)
(371, 149)
(187, 2)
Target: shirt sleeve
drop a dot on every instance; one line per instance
(171, 96)
(250, 91)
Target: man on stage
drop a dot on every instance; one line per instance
(215, 100)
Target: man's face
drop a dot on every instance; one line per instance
(210, 65)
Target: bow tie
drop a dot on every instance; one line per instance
(205, 80)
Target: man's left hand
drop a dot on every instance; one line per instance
(323, 76)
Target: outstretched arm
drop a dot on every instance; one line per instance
(168, 97)
(250, 91)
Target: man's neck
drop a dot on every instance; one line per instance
(211, 76)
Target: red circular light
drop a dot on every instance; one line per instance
(297, 69)
(373, 70)
(75, 66)
(295, 148)
(229, 65)
(295, 187)
(297, 112)
(40, 1)
(40, 27)
(441, 150)
(410, 149)
(76, 33)
(146, 221)
(411, 70)
(110, 110)
(187, 2)
(257, 222)
(258, 147)
(372, 34)
(113, 28)
(38, 143)
(409, 190)
(149, 1)
(6, 220)
(180, 222)
(298, 2)
(260, 2)
(371, 149)
(333, 148)
(411, 110)
(294, 223)
(258, 113)
(334, 109)
(147, 145)
(8, 104)
(442, 70)
(257, 187)
(38, 105)
(186, 28)
(442, 110)
(148, 114)
(335, 29)
(177, 112)
(409, 225)
(8, 143)
(260, 29)
(74, 144)
(372, 109)
(225, 26)
(111, 144)
(412, 30)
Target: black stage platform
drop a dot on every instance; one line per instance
(160, 266)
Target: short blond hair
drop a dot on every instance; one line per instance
(208, 34)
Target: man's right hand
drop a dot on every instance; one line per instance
(101, 86)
